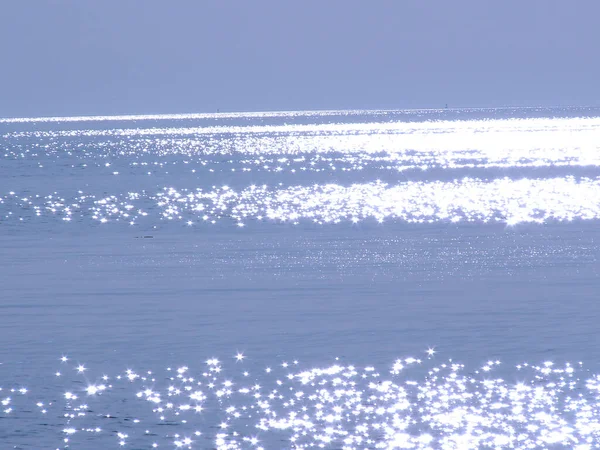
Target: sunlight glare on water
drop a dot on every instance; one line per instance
(415, 404)
(131, 242)
(504, 170)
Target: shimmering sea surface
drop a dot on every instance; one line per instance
(341, 279)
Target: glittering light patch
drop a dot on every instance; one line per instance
(470, 200)
(323, 168)
(315, 147)
(414, 404)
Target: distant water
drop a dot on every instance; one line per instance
(340, 279)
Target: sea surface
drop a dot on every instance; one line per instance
(291, 280)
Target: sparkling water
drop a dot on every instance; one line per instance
(339, 279)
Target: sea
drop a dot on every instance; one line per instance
(423, 279)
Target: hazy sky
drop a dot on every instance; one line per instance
(149, 56)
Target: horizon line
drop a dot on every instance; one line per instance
(271, 113)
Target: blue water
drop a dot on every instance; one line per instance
(331, 248)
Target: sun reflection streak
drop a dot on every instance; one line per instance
(322, 172)
(466, 200)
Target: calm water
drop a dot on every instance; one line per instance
(353, 279)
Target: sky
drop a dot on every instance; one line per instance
(76, 57)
